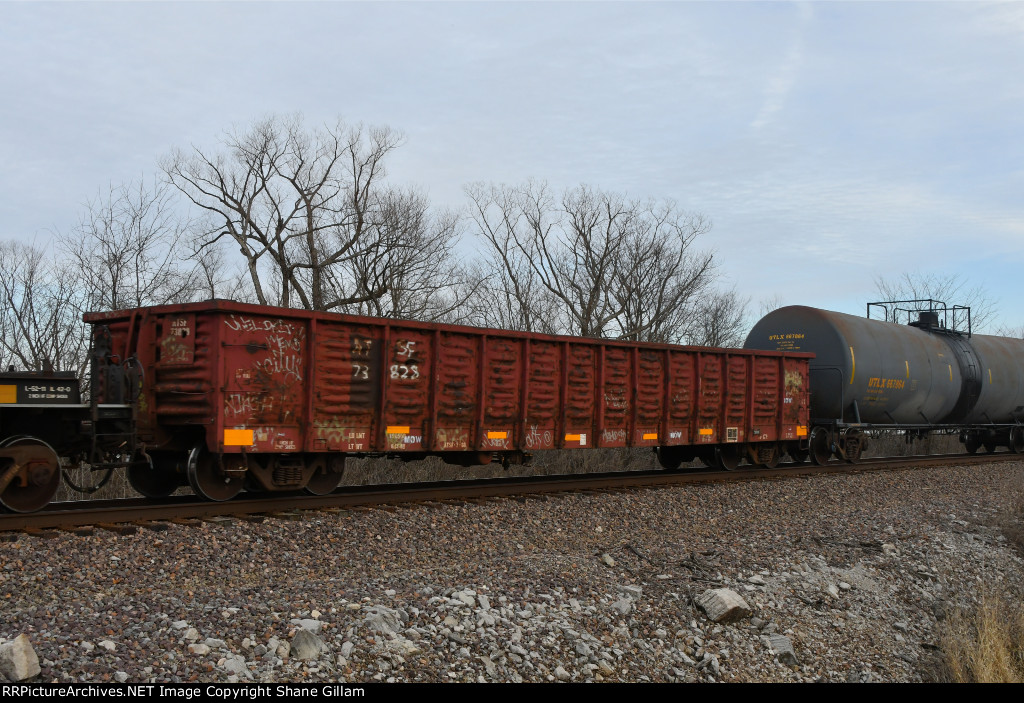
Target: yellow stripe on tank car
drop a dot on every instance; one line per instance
(908, 367)
(950, 371)
(853, 366)
(990, 377)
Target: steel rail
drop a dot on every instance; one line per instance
(141, 510)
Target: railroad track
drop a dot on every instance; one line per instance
(127, 515)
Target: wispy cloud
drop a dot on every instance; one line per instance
(828, 142)
(780, 84)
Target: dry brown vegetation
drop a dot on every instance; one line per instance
(1012, 525)
(985, 645)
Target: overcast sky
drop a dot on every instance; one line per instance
(828, 142)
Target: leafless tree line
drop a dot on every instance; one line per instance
(40, 310)
(595, 264)
(283, 214)
(951, 289)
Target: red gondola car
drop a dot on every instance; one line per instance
(233, 395)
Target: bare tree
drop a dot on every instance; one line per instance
(719, 320)
(661, 280)
(130, 247)
(413, 261)
(952, 289)
(590, 263)
(218, 277)
(769, 304)
(579, 248)
(511, 295)
(301, 205)
(40, 304)
(1009, 331)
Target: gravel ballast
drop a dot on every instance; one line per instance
(847, 578)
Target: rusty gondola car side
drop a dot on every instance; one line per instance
(236, 395)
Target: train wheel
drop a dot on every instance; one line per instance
(207, 478)
(153, 476)
(326, 478)
(820, 447)
(1017, 440)
(322, 483)
(673, 458)
(668, 458)
(727, 456)
(35, 483)
(971, 444)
